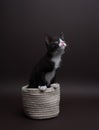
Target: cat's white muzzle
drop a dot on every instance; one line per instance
(62, 44)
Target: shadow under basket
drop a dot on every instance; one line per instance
(41, 105)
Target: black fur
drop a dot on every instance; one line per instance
(45, 65)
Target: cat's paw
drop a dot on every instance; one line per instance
(42, 88)
(55, 85)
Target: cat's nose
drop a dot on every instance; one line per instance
(62, 44)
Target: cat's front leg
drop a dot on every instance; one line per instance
(42, 88)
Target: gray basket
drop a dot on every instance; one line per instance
(41, 105)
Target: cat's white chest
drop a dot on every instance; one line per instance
(49, 76)
(56, 60)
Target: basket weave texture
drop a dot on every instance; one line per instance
(41, 105)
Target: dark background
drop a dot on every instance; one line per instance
(23, 24)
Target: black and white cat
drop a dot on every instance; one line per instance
(44, 73)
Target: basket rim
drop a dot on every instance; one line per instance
(51, 89)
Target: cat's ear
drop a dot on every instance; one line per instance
(48, 39)
(62, 35)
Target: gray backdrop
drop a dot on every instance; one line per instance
(23, 24)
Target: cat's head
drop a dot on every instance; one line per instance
(55, 44)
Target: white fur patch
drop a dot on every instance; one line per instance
(56, 59)
(42, 88)
(49, 76)
(62, 43)
(55, 85)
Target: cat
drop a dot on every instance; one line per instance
(44, 73)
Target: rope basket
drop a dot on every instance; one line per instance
(41, 105)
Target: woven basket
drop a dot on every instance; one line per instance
(41, 105)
